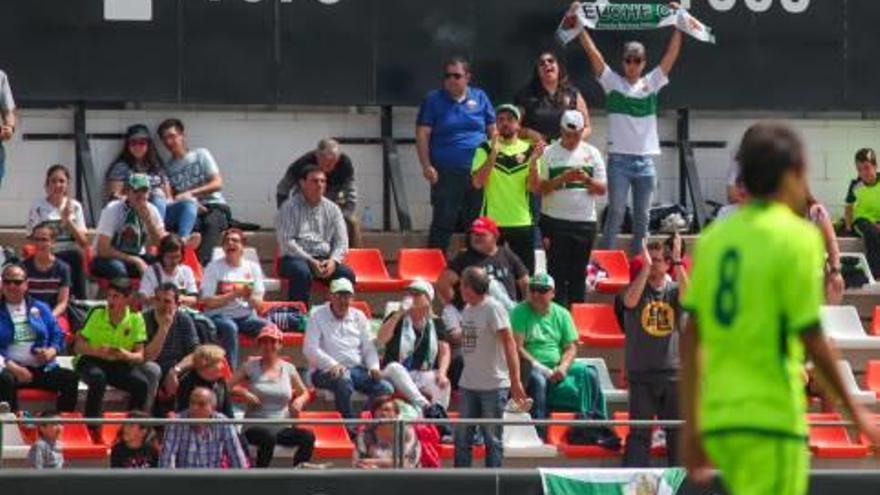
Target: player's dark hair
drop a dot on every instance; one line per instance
(768, 151)
(866, 155)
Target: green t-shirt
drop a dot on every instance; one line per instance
(545, 335)
(99, 331)
(756, 286)
(865, 200)
(506, 193)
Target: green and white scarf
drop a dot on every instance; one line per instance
(602, 15)
(611, 481)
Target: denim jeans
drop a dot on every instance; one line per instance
(625, 171)
(180, 217)
(111, 268)
(299, 277)
(2, 163)
(480, 404)
(160, 203)
(229, 328)
(454, 203)
(357, 378)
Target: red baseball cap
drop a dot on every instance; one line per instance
(270, 331)
(485, 225)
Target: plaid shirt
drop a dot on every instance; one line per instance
(211, 446)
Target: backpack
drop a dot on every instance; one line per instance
(288, 319)
(602, 436)
(205, 328)
(429, 441)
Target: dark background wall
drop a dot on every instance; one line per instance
(364, 52)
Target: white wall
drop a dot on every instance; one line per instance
(254, 148)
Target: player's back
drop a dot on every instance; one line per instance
(755, 287)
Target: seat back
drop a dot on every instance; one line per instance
(872, 376)
(427, 264)
(852, 386)
(614, 262)
(595, 318)
(842, 322)
(875, 322)
(827, 435)
(331, 441)
(520, 436)
(556, 433)
(367, 264)
(862, 264)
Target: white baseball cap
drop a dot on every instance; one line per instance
(341, 285)
(572, 120)
(421, 286)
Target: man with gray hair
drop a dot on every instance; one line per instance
(340, 182)
(491, 368)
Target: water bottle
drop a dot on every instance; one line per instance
(367, 218)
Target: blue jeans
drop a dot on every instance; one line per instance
(160, 203)
(299, 277)
(536, 388)
(624, 171)
(357, 378)
(111, 268)
(181, 216)
(454, 203)
(2, 163)
(480, 404)
(229, 328)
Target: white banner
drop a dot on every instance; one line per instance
(602, 15)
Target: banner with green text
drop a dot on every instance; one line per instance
(612, 481)
(603, 15)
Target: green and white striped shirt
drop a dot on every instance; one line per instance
(632, 112)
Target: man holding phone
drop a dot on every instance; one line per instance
(572, 174)
(7, 119)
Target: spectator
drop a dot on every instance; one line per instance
(65, 215)
(232, 292)
(374, 446)
(863, 207)
(46, 452)
(340, 350)
(452, 122)
(834, 283)
(48, 276)
(30, 340)
(341, 189)
(651, 320)
(547, 96)
(547, 340)
(507, 168)
(171, 340)
(311, 237)
(136, 446)
(110, 351)
(209, 371)
(417, 355)
(7, 119)
(491, 368)
(272, 389)
(572, 175)
(169, 269)
(198, 204)
(204, 446)
(139, 156)
(124, 230)
(632, 132)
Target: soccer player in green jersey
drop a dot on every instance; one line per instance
(754, 299)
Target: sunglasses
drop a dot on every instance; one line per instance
(633, 60)
(540, 290)
(138, 142)
(13, 281)
(453, 75)
(547, 61)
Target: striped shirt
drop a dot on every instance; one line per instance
(305, 231)
(210, 446)
(45, 285)
(632, 112)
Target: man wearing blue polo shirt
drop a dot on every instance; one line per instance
(452, 122)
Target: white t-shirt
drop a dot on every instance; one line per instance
(23, 337)
(125, 230)
(632, 112)
(571, 201)
(44, 212)
(183, 278)
(485, 365)
(220, 278)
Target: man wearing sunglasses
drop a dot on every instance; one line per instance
(547, 341)
(452, 122)
(632, 131)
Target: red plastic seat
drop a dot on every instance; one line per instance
(370, 271)
(331, 441)
(426, 264)
(289, 338)
(363, 306)
(872, 377)
(617, 267)
(623, 432)
(875, 322)
(556, 435)
(110, 431)
(597, 325)
(833, 442)
(27, 394)
(77, 443)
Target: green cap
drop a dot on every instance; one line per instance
(509, 107)
(138, 181)
(542, 280)
(341, 285)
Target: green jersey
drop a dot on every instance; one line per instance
(756, 287)
(100, 331)
(506, 193)
(545, 336)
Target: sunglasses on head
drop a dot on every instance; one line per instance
(453, 75)
(13, 281)
(632, 60)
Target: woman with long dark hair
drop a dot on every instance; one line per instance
(547, 95)
(138, 156)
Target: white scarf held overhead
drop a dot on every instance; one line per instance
(602, 15)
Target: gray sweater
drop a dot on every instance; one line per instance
(305, 231)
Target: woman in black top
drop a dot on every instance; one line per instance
(547, 95)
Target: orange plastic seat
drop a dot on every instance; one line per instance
(872, 377)
(623, 432)
(597, 325)
(370, 271)
(426, 264)
(77, 443)
(110, 431)
(833, 442)
(289, 338)
(27, 394)
(331, 441)
(875, 322)
(617, 267)
(556, 436)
